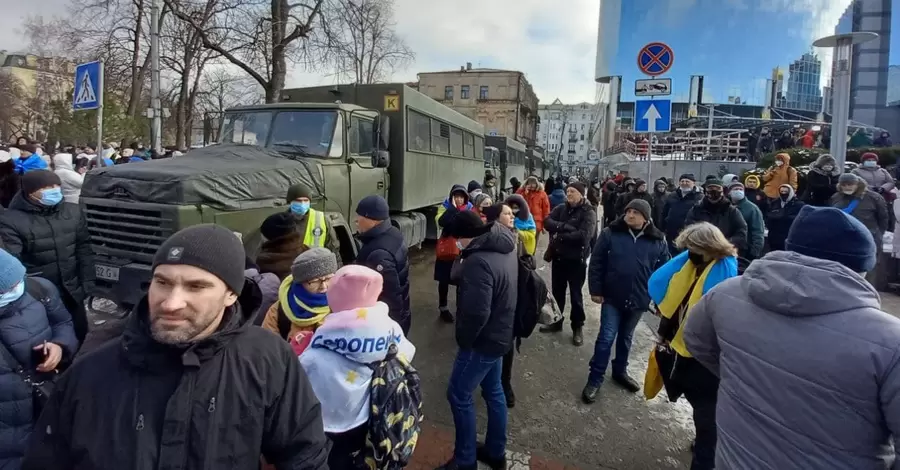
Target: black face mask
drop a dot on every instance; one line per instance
(696, 258)
(714, 195)
(784, 197)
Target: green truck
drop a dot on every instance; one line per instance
(344, 142)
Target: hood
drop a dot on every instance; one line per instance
(530, 180)
(795, 285)
(366, 325)
(658, 182)
(753, 178)
(786, 158)
(728, 179)
(458, 189)
(791, 193)
(524, 213)
(627, 182)
(861, 187)
(498, 239)
(649, 230)
(63, 161)
(638, 182)
(825, 159)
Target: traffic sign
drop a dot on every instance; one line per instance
(653, 87)
(392, 102)
(653, 116)
(88, 86)
(655, 59)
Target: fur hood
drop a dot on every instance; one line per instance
(276, 256)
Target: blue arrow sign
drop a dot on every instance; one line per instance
(653, 116)
(88, 86)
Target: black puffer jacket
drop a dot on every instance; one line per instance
(217, 404)
(52, 242)
(488, 276)
(574, 229)
(675, 211)
(384, 250)
(723, 215)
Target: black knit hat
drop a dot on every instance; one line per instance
(467, 224)
(278, 225)
(688, 176)
(297, 191)
(373, 207)
(36, 179)
(210, 247)
(578, 186)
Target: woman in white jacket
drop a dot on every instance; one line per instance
(71, 179)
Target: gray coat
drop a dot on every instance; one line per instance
(871, 211)
(876, 177)
(809, 367)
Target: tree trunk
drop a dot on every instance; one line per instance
(137, 76)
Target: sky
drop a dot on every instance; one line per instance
(553, 43)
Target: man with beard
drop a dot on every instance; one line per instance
(716, 209)
(191, 384)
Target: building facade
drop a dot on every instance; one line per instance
(501, 100)
(566, 131)
(28, 84)
(804, 89)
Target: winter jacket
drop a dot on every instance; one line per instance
(217, 403)
(537, 201)
(820, 186)
(384, 250)
(488, 276)
(723, 215)
(780, 218)
(24, 324)
(52, 242)
(809, 367)
(878, 178)
(268, 284)
(276, 256)
(777, 176)
(71, 179)
(676, 210)
(574, 229)
(593, 195)
(557, 197)
(871, 209)
(657, 206)
(445, 214)
(622, 262)
(756, 229)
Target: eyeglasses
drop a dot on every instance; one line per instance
(319, 283)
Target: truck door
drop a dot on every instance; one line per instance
(365, 179)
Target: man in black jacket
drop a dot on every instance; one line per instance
(716, 209)
(192, 384)
(676, 208)
(384, 250)
(573, 227)
(488, 277)
(51, 239)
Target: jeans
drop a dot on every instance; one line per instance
(470, 370)
(615, 326)
(571, 275)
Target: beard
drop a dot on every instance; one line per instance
(183, 332)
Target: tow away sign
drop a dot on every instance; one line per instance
(653, 87)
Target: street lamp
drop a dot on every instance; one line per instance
(840, 107)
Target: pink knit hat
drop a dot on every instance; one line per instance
(352, 287)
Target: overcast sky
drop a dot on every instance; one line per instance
(552, 42)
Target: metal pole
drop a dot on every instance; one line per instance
(840, 113)
(709, 131)
(100, 116)
(155, 105)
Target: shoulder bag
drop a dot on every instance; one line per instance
(42, 384)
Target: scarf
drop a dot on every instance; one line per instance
(669, 285)
(301, 307)
(527, 232)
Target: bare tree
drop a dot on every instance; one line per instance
(12, 118)
(258, 36)
(362, 45)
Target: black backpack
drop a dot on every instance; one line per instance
(395, 416)
(532, 294)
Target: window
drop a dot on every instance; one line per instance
(571, 147)
(448, 92)
(456, 141)
(250, 128)
(479, 145)
(440, 137)
(469, 146)
(483, 93)
(582, 127)
(360, 136)
(464, 92)
(418, 128)
(582, 137)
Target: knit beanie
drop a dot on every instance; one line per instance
(713, 182)
(580, 187)
(641, 206)
(688, 176)
(354, 286)
(278, 225)
(297, 191)
(312, 264)
(373, 207)
(210, 247)
(828, 233)
(473, 185)
(480, 198)
(869, 156)
(467, 224)
(35, 180)
(845, 178)
(12, 271)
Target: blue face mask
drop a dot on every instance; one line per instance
(13, 295)
(870, 163)
(299, 208)
(51, 197)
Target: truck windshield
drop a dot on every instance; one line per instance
(309, 130)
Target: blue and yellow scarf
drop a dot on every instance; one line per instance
(301, 307)
(669, 285)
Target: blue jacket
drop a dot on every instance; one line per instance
(756, 229)
(557, 197)
(622, 263)
(24, 324)
(384, 250)
(34, 162)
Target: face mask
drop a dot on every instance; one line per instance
(13, 295)
(870, 163)
(696, 258)
(736, 195)
(784, 197)
(714, 195)
(299, 208)
(828, 167)
(779, 163)
(51, 197)
(848, 191)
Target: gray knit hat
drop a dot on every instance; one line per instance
(210, 247)
(640, 205)
(313, 263)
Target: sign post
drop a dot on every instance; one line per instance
(89, 95)
(653, 60)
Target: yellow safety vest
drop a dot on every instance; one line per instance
(316, 229)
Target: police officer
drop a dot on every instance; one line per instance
(312, 225)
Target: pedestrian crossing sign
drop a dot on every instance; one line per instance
(88, 86)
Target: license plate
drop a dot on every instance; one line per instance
(109, 273)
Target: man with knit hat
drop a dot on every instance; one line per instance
(625, 255)
(384, 250)
(191, 376)
(677, 207)
(809, 363)
(312, 224)
(716, 209)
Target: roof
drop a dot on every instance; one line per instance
(291, 105)
(473, 70)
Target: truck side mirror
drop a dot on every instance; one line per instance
(381, 158)
(381, 130)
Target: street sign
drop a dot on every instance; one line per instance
(392, 102)
(653, 116)
(655, 59)
(88, 86)
(653, 87)
(492, 133)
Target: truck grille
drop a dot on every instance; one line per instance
(127, 230)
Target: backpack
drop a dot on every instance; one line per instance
(395, 418)
(532, 295)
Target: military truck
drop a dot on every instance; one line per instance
(343, 142)
(512, 157)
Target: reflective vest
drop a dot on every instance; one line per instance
(316, 230)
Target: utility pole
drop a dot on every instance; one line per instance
(155, 104)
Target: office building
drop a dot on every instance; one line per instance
(566, 132)
(804, 90)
